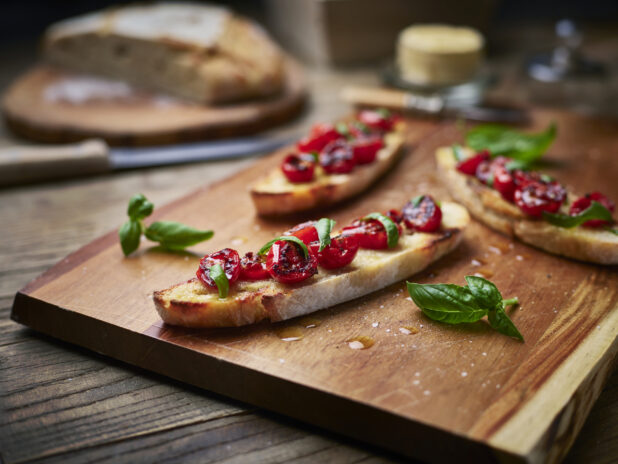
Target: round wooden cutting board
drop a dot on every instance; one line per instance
(54, 106)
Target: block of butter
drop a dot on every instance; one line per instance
(438, 55)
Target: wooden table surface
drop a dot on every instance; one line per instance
(61, 403)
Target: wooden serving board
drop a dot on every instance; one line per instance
(441, 394)
(54, 106)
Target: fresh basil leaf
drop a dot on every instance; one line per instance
(383, 112)
(392, 231)
(324, 228)
(595, 211)
(342, 129)
(417, 200)
(288, 238)
(546, 178)
(174, 235)
(517, 164)
(139, 207)
(484, 292)
(502, 140)
(499, 320)
(362, 127)
(217, 274)
(458, 153)
(130, 234)
(446, 302)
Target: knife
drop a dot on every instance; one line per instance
(26, 164)
(433, 105)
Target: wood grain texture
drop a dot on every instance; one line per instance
(395, 385)
(141, 119)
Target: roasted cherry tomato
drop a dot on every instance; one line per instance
(504, 182)
(382, 120)
(253, 267)
(536, 197)
(320, 136)
(470, 165)
(584, 203)
(298, 167)
(305, 231)
(337, 157)
(395, 215)
(227, 258)
(423, 215)
(370, 234)
(339, 253)
(365, 148)
(287, 264)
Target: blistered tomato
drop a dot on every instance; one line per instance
(298, 167)
(287, 263)
(583, 203)
(365, 148)
(253, 267)
(470, 165)
(337, 157)
(422, 214)
(229, 261)
(536, 197)
(305, 231)
(339, 253)
(320, 136)
(370, 234)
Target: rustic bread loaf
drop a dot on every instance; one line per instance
(198, 52)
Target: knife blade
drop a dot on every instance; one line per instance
(27, 164)
(433, 105)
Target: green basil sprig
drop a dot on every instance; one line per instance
(458, 152)
(288, 238)
(217, 274)
(169, 234)
(324, 228)
(342, 129)
(595, 211)
(392, 231)
(502, 140)
(454, 304)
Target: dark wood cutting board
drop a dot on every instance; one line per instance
(53, 106)
(441, 394)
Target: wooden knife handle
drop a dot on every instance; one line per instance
(374, 96)
(23, 164)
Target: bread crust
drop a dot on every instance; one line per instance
(274, 195)
(486, 205)
(191, 304)
(158, 47)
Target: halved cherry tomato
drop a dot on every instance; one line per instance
(470, 165)
(320, 136)
(424, 215)
(253, 267)
(339, 253)
(227, 258)
(504, 182)
(298, 167)
(337, 157)
(305, 231)
(395, 215)
(365, 148)
(584, 203)
(287, 264)
(370, 234)
(382, 120)
(536, 197)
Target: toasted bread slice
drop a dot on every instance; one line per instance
(488, 206)
(191, 304)
(275, 195)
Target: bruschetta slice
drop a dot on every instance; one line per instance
(195, 304)
(331, 164)
(516, 203)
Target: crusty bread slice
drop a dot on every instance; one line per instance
(275, 195)
(199, 52)
(191, 304)
(488, 206)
